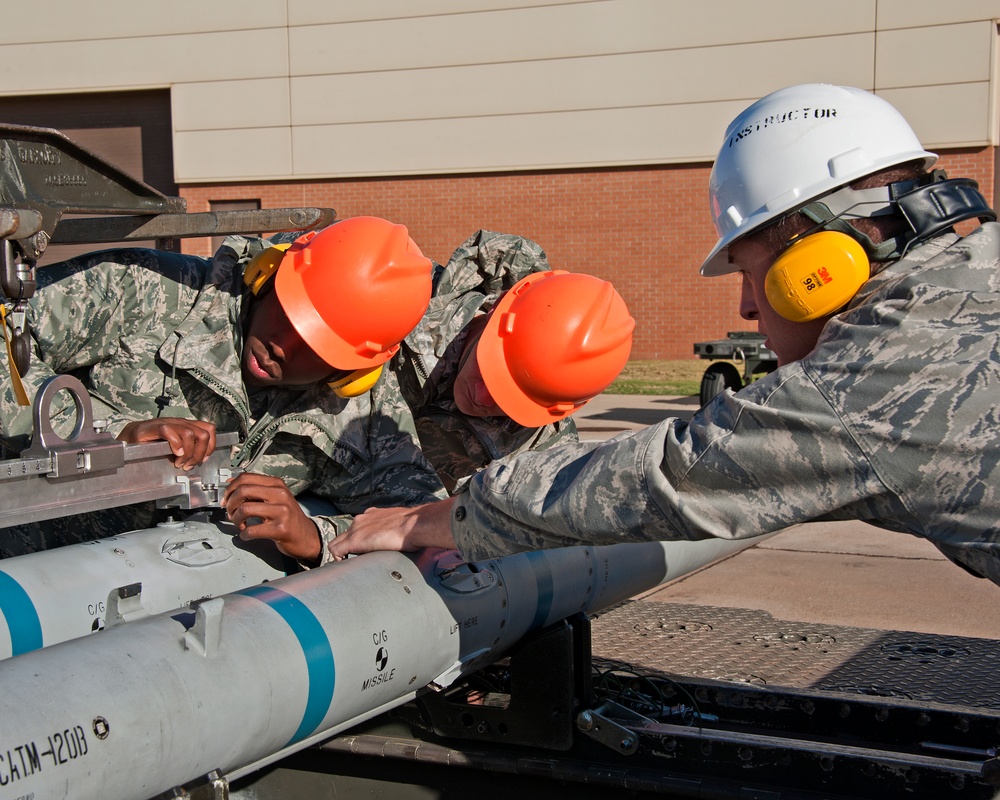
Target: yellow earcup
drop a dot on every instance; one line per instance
(816, 275)
(357, 382)
(263, 265)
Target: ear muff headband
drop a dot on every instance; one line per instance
(263, 265)
(820, 273)
(816, 275)
(356, 383)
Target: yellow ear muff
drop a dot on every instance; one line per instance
(816, 275)
(356, 383)
(263, 265)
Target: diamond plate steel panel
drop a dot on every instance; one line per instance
(749, 646)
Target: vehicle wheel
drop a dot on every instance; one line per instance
(717, 377)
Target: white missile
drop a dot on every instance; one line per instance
(245, 679)
(55, 595)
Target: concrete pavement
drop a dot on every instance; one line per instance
(842, 573)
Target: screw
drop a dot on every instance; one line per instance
(101, 728)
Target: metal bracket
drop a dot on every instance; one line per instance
(209, 787)
(92, 470)
(533, 701)
(86, 450)
(458, 575)
(603, 729)
(197, 492)
(124, 605)
(203, 637)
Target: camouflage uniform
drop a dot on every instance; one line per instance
(484, 267)
(893, 419)
(157, 334)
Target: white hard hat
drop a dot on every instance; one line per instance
(795, 145)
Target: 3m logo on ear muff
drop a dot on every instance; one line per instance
(816, 275)
(263, 265)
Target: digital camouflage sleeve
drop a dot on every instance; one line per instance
(892, 419)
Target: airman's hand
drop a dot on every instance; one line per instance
(191, 441)
(262, 507)
(404, 529)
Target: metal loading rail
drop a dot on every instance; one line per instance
(533, 725)
(92, 470)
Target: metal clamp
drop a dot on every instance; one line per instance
(594, 723)
(86, 450)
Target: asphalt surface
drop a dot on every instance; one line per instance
(842, 573)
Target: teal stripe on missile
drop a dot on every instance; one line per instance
(543, 579)
(21, 616)
(316, 647)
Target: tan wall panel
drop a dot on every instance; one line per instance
(230, 104)
(134, 63)
(903, 56)
(71, 20)
(574, 139)
(564, 31)
(946, 116)
(918, 13)
(620, 81)
(487, 85)
(310, 12)
(260, 154)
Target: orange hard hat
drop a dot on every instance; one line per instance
(552, 343)
(354, 290)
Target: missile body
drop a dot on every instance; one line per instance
(244, 679)
(60, 594)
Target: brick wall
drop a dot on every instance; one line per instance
(645, 229)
